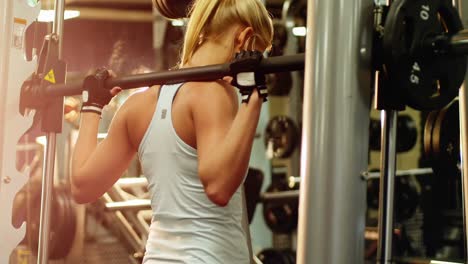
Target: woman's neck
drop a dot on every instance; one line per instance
(209, 53)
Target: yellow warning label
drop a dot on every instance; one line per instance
(23, 256)
(20, 21)
(50, 77)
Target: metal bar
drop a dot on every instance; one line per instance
(463, 115)
(57, 26)
(48, 175)
(334, 146)
(279, 196)
(46, 200)
(124, 226)
(8, 242)
(132, 182)
(269, 65)
(387, 186)
(399, 173)
(463, 99)
(135, 205)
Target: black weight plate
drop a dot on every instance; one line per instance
(374, 134)
(58, 227)
(280, 137)
(280, 39)
(373, 194)
(428, 127)
(407, 133)
(33, 223)
(406, 199)
(279, 84)
(272, 256)
(66, 226)
(428, 81)
(446, 140)
(291, 255)
(280, 217)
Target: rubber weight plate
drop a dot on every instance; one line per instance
(281, 136)
(280, 217)
(67, 225)
(445, 143)
(62, 226)
(279, 84)
(428, 81)
(407, 133)
(280, 39)
(273, 256)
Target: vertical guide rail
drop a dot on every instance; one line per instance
(49, 162)
(462, 100)
(463, 97)
(335, 132)
(387, 185)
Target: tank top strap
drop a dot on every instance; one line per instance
(166, 95)
(161, 120)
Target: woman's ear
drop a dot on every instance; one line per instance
(242, 37)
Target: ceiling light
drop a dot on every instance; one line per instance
(299, 31)
(49, 15)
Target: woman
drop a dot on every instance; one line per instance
(193, 141)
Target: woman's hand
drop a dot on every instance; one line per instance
(95, 94)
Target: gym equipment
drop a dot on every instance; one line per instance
(422, 66)
(424, 53)
(406, 198)
(280, 39)
(35, 94)
(281, 136)
(277, 256)
(442, 140)
(280, 216)
(16, 17)
(279, 84)
(63, 222)
(406, 130)
(399, 173)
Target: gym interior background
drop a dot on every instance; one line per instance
(129, 37)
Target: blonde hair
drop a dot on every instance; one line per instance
(212, 17)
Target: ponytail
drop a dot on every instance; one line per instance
(208, 17)
(200, 14)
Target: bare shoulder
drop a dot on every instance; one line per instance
(217, 93)
(140, 100)
(136, 112)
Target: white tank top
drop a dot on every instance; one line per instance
(187, 227)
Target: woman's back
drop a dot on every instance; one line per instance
(187, 227)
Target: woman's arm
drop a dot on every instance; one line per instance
(224, 136)
(96, 167)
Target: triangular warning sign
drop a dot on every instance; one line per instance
(50, 77)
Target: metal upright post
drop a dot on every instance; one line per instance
(335, 132)
(49, 162)
(387, 185)
(462, 100)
